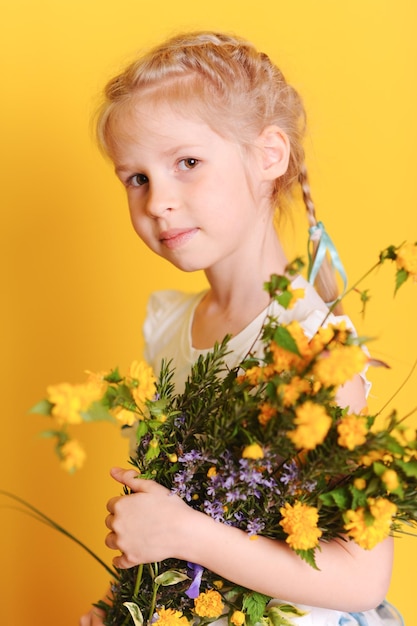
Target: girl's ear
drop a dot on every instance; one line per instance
(273, 152)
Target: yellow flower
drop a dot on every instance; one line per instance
(267, 412)
(322, 338)
(71, 400)
(338, 365)
(375, 455)
(312, 423)
(407, 259)
(285, 359)
(97, 379)
(368, 533)
(170, 617)
(72, 455)
(352, 431)
(211, 472)
(404, 434)
(253, 451)
(359, 483)
(254, 375)
(297, 294)
(300, 523)
(238, 618)
(209, 604)
(143, 383)
(390, 480)
(291, 392)
(124, 416)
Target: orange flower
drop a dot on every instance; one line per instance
(368, 534)
(352, 431)
(407, 259)
(209, 604)
(72, 455)
(267, 412)
(338, 365)
(170, 617)
(312, 423)
(292, 391)
(300, 521)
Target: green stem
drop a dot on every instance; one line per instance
(153, 601)
(41, 517)
(352, 288)
(397, 391)
(138, 581)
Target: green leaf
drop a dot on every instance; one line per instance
(135, 612)
(114, 377)
(153, 450)
(389, 253)
(97, 412)
(379, 468)
(277, 618)
(171, 577)
(338, 497)
(295, 266)
(141, 430)
(44, 407)
(254, 605)
(408, 467)
(276, 283)
(400, 278)
(49, 434)
(285, 340)
(291, 610)
(278, 614)
(284, 298)
(308, 556)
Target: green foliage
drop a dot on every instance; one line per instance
(254, 605)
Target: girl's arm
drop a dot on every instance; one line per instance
(152, 524)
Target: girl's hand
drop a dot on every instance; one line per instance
(93, 618)
(148, 525)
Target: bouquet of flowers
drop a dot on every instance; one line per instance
(263, 447)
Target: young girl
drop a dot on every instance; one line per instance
(205, 134)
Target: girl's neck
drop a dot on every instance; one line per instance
(236, 295)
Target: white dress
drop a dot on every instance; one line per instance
(167, 333)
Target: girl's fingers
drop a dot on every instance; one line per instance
(131, 479)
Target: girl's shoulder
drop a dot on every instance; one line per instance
(169, 303)
(168, 315)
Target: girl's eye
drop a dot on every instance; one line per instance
(188, 164)
(137, 180)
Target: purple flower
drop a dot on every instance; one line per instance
(255, 526)
(193, 590)
(214, 510)
(290, 474)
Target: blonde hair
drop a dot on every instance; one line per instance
(235, 88)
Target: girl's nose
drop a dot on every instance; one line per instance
(160, 199)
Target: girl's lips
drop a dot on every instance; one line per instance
(176, 237)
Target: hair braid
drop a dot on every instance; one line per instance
(325, 281)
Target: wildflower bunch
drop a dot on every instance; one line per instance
(264, 447)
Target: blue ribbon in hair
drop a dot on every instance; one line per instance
(325, 247)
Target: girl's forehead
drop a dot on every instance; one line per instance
(143, 120)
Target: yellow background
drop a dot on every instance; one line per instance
(75, 279)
